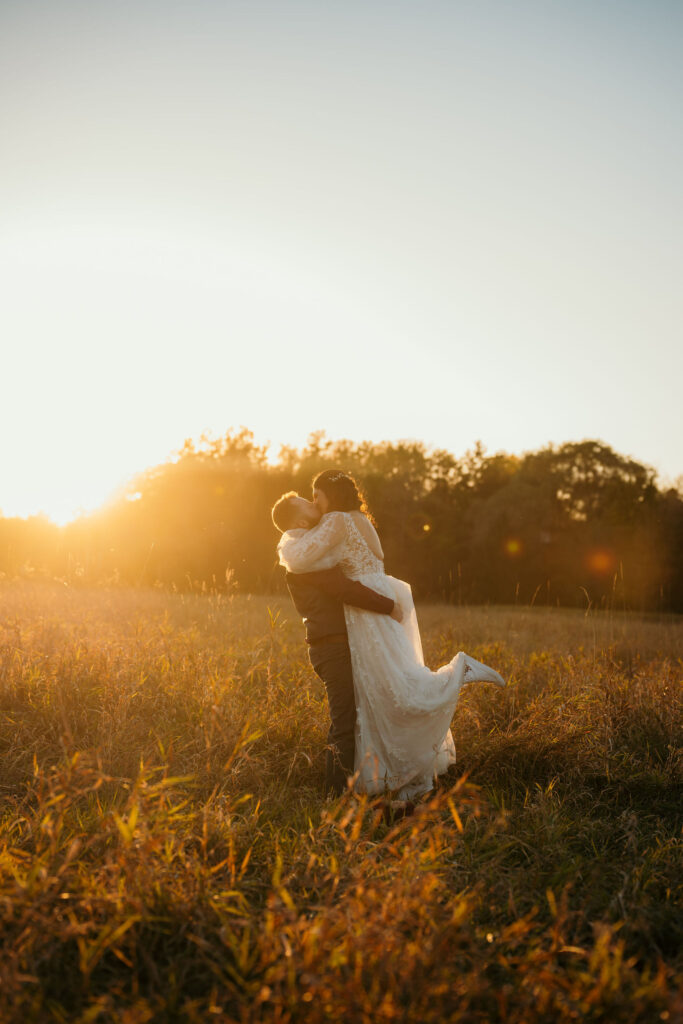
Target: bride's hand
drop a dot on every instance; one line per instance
(396, 612)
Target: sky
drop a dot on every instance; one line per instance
(438, 220)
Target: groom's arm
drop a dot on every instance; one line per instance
(334, 582)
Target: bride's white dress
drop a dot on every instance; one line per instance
(404, 710)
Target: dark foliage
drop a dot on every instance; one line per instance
(570, 524)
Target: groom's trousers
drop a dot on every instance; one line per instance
(331, 661)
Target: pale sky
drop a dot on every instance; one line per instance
(446, 221)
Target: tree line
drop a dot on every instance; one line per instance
(570, 524)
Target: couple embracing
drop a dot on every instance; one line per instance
(390, 714)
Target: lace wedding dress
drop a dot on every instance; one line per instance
(404, 710)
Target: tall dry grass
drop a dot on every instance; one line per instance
(166, 854)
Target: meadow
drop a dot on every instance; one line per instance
(167, 854)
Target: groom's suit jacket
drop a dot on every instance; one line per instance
(319, 598)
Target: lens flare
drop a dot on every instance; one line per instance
(601, 561)
(513, 547)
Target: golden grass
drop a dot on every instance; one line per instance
(166, 853)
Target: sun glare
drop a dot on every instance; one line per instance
(145, 336)
(62, 494)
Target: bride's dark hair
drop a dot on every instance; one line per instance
(342, 492)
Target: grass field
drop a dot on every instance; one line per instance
(166, 853)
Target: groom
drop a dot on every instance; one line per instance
(319, 597)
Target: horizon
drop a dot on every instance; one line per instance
(117, 493)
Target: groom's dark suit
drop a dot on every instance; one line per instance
(319, 597)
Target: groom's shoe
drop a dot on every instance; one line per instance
(477, 672)
(395, 810)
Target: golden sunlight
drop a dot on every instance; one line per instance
(64, 488)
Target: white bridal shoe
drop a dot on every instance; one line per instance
(477, 672)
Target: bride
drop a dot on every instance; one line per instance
(404, 710)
